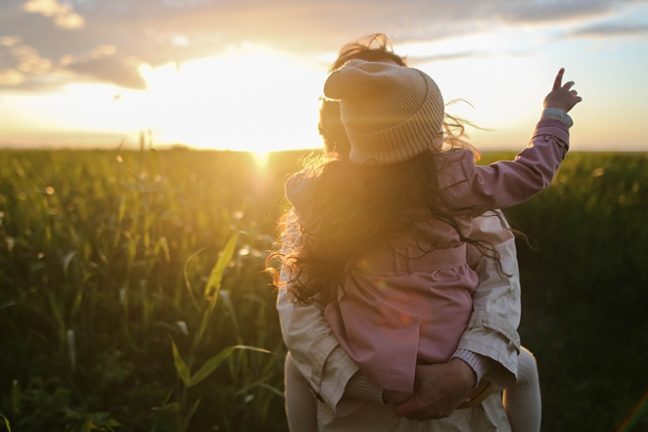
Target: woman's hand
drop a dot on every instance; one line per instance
(395, 398)
(438, 390)
(562, 96)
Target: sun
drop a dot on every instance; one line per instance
(249, 98)
(261, 158)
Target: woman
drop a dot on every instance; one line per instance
(488, 347)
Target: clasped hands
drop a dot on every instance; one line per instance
(438, 390)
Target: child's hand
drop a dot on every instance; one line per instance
(561, 96)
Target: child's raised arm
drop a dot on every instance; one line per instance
(466, 186)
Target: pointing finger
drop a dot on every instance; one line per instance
(558, 80)
(568, 85)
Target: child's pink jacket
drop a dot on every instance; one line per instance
(400, 305)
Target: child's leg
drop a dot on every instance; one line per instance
(522, 401)
(301, 406)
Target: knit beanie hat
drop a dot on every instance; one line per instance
(391, 113)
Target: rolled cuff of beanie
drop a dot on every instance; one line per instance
(396, 144)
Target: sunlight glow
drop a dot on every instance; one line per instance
(261, 158)
(253, 98)
(250, 98)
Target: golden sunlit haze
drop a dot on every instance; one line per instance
(251, 99)
(248, 98)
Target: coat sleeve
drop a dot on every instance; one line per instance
(464, 185)
(492, 328)
(316, 351)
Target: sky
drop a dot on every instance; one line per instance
(248, 74)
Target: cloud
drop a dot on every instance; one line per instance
(29, 60)
(104, 64)
(113, 69)
(11, 77)
(161, 31)
(19, 63)
(62, 14)
(9, 41)
(23, 68)
(98, 52)
(433, 58)
(554, 11)
(612, 29)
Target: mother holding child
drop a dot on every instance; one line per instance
(399, 294)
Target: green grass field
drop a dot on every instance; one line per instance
(110, 260)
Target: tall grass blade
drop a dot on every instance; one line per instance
(185, 273)
(216, 276)
(180, 365)
(5, 421)
(210, 365)
(213, 286)
(190, 414)
(15, 397)
(71, 348)
(67, 259)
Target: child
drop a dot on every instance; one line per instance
(393, 239)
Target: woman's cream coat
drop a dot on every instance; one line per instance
(492, 332)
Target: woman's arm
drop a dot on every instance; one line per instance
(315, 350)
(492, 329)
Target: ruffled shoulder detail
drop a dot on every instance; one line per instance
(454, 167)
(455, 171)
